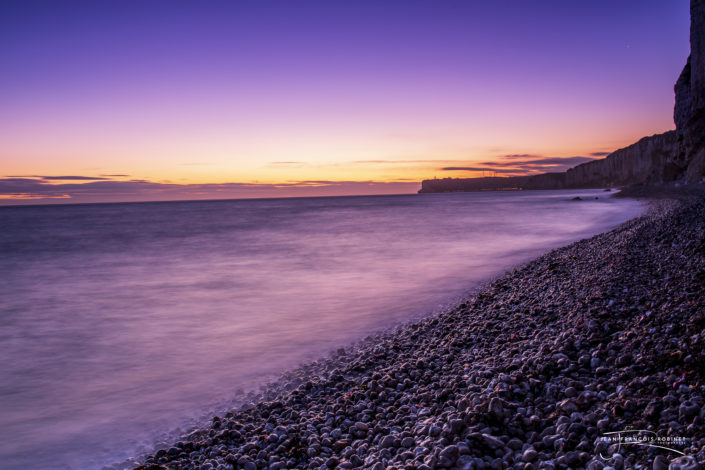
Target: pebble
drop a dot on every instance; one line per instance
(363, 427)
(448, 456)
(530, 455)
(688, 409)
(684, 463)
(492, 441)
(387, 441)
(408, 442)
(496, 409)
(660, 463)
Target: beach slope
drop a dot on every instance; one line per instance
(545, 368)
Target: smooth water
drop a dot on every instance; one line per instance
(122, 322)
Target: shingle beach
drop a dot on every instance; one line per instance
(554, 365)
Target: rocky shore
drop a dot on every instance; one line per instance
(547, 367)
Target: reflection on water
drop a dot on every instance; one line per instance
(120, 321)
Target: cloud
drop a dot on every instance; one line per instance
(474, 168)
(67, 178)
(116, 176)
(518, 164)
(33, 190)
(537, 163)
(600, 154)
(576, 160)
(76, 178)
(407, 161)
(522, 156)
(511, 164)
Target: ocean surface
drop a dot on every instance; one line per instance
(123, 324)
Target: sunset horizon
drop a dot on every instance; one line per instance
(108, 103)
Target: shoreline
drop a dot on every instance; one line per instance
(524, 374)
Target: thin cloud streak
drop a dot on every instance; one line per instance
(537, 163)
(523, 156)
(73, 178)
(474, 168)
(576, 160)
(408, 161)
(67, 178)
(32, 190)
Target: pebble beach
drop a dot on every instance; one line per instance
(591, 356)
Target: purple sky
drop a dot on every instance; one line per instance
(367, 96)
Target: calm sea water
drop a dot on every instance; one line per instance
(124, 322)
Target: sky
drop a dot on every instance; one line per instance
(166, 100)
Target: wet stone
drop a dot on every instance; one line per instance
(387, 441)
(492, 441)
(496, 409)
(448, 456)
(530, 455)
(660, 463)
(408, 442)
(684, 463)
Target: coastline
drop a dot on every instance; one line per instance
(532, 372)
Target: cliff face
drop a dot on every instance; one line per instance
(452, 185)
(546, 181)
(675, 155)
(697, 53)
(689, 111)
(647, 161)
(681, 111)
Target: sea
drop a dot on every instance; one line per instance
(125, 325)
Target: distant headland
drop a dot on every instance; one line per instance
(674, 156)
